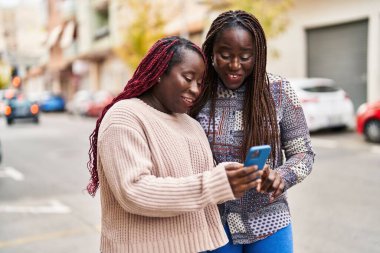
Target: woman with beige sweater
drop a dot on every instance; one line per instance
(153, 164)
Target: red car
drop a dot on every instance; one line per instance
(368, 121)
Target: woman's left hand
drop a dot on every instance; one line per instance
(271, 182)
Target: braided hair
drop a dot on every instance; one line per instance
(160, 59)
(259, 113)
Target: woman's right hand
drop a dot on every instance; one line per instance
(242, 178)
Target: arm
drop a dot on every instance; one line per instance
(296, 143)
(126, 160)
(295, 139)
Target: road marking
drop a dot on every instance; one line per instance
(321, 143)
(12, 173)
(41, 237)
(54, 207)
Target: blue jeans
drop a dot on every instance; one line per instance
(279, 242)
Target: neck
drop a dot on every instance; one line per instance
(154, 102)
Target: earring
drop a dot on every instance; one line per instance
(212, 61)
(159, 79)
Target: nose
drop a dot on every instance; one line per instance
(195, 89)
(235, 63)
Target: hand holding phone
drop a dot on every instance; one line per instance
(257, 155)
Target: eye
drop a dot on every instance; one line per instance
(188, 79)
(225, 56)
(245, 57)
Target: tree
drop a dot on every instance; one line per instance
(270, 13)
(5, 74)
(145, 28)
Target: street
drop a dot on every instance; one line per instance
(44, 206)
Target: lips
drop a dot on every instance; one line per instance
(234, 78)
(188, 101)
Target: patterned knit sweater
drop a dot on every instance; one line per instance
(158, 187)
(252, 217)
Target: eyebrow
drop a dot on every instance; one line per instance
(226, 46)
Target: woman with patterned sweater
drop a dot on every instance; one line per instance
(243, 106)
(153, 163)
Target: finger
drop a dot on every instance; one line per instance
(280, 190)
(253, 184)
(266, 170)
(233, 166)
(267, 182)
(253, 177)
(241, 185)
(241, 189)
(258, 187)
(276, 182)
(266, 167)
(251, 169)
(246, 171)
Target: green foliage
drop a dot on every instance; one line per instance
(5, 74)
(270, 13)
(144, 30)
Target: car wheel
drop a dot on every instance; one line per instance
(9, 121)
(372, 131)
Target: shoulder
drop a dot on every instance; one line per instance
(283, 92)
(280, 85)
(277, 80)
(124, 113)
(123, 109)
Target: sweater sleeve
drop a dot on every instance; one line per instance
(295, 139)
(126, 161)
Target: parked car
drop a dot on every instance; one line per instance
(101, 99)
(2, 102)
(51, 102)
(80, 103)
(324, 103)
(19, 107)
(4, 96)
(368, 121)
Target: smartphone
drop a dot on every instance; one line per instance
(257, 155)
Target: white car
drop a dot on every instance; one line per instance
(325, 105)
(80, 102)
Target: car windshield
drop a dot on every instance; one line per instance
(321, 88)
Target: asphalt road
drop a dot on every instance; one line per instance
(43, 206)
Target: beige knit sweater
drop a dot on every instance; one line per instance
(158, 186)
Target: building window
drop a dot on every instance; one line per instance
(101, 19)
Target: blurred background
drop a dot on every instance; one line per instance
(62, 61)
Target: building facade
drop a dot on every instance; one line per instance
(337, 39)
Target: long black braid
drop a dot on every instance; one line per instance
(259, 112)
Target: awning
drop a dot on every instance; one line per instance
(54, 35)
(67, 35)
